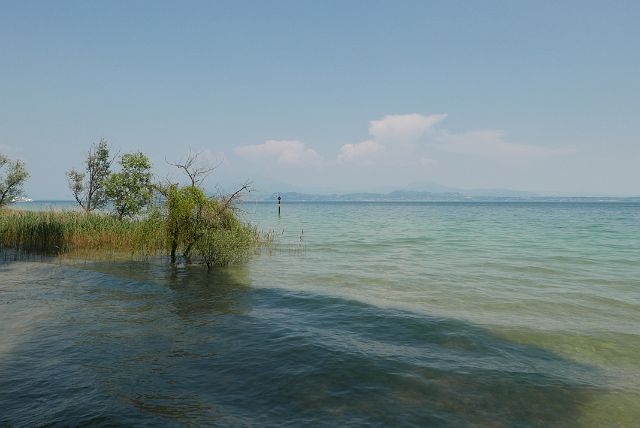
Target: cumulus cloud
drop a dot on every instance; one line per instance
(491, 144)
(285, 151)
(350, 152)
(397, 132)
(409, 142)
(403, 127)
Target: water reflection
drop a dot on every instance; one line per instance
(195, 290)
(141, 343)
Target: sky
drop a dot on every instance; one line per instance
(329, 96)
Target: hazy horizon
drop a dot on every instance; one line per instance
(330, 97)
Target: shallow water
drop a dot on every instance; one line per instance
(381, 314)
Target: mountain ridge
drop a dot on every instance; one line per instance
(417, 196)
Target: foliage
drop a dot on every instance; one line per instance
(186, 223)
(88, 187)
(130, 189)
(182, 217)
(202, 226)
(13, 175)
(215, 239)
(224, 239)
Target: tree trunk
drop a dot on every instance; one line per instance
(174, 247)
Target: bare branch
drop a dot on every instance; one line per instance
(227, 201)
(196, 171)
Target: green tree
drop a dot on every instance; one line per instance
(223, 239)
(202, 226)
(13, 175)
(88, 186)
(131, 189)
(206, 228)
(184, 207)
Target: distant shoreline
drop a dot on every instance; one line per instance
(559, 200)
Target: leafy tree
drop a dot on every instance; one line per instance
(205, 227)
(202, 226)
(130, 189)
(224, 239)
(183, 217)
(13, 175)
(88, 186)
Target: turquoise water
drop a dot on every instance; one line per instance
(363, 314)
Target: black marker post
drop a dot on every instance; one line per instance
(279, 199)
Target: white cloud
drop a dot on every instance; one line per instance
(490, 144)
(403, 127)
(350, 152)
(285, 151)
(396, 132)
(400, 148)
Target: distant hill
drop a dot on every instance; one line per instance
(408, 196)
(416, 191)
(438, 188)
(397, 195)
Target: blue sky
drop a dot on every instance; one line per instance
(330, 95)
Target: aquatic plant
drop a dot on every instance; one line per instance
(59, 232)
(99, 235)
(203, 227)
(183, 222)
(224, 239)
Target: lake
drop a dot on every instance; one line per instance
(362, 314)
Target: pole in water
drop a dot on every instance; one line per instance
(279, 200)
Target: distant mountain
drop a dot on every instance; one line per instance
(429, 187)
(398, 195)
(500, 193)
(413, 191)
(438, 188)
(416, 191)
(410, 196)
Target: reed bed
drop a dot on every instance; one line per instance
(64, 232)
(272, 242)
